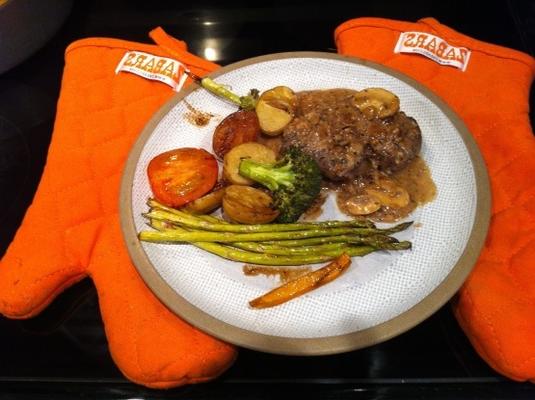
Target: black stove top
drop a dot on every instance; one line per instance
(62, 353)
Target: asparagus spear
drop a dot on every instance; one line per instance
(312, 245)
(371, 240)
(261, 247)
(362, 223)
(293, 246)
(300, 248)
(334, 239)
(246, 102)
(159, 211)
(262, 258)
(226, 232)
(327, 248)
(196, 223)
(229, 237)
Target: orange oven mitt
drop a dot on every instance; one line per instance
(72, 230)
(488, 86)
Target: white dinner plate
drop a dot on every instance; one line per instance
(382, 294)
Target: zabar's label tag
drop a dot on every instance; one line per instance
(156, 68)
(433, 47)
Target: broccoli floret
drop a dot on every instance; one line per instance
(294, 181)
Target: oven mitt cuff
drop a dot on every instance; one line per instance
(496, 305)
(71, 230)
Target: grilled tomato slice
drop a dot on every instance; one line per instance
(180, 176)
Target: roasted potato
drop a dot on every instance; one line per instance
(376, 102)
(239, 127)
(275, 109)
(252, 150)
(207, 203)
(247, 205)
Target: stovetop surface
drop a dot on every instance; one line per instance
(62, 353)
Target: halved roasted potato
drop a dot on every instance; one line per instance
(247, 205)
(275, 109)
(239, 127)
(252, 150)
(207, 203)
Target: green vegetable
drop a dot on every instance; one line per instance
(328, 248)
(262, 247)
(162, 212)
(249, 257)
(271, 244)
(229, 237)
(245, 102)
(295, 182)
(367, 240)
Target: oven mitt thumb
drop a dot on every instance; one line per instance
(72, 229)
(496, 305)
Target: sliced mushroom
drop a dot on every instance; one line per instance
(362, 204)
(376, 102)
(388, 193)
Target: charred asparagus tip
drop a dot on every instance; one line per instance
(197, 79)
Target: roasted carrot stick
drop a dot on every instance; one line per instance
(303, 284)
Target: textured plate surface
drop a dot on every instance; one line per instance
(382, 294)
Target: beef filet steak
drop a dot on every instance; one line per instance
(345, 142)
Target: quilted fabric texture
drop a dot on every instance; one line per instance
(496, 305)
(72, 230)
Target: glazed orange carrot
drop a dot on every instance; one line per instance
(303, 284)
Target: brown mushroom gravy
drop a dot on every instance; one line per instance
(414, 180)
